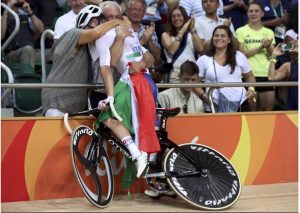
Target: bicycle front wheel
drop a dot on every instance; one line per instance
(92, 166)
(214, 186)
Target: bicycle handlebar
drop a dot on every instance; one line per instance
(90, 111)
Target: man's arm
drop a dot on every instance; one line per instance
(155, 51)
(37, 23)
(89, 35)
(146, 39)
(4, 18)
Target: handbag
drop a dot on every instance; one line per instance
(225, 104)
(166, 68)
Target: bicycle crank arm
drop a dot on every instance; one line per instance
(158, 174)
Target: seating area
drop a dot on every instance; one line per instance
(21, 102)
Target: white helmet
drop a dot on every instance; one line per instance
(86, 14)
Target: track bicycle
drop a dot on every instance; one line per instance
(197, 173)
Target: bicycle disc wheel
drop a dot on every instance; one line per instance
(216, 186)
(92, 166)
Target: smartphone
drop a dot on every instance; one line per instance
(287, 47)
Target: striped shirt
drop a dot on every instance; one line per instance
(195, 6)
(174, 98)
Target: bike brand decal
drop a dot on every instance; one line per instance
(178, 186)
(224, 199)
(119, 148)
(174, 180)
(203, 149)
(80, 132)
(172, 160)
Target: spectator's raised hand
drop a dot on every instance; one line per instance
(266, 42)
(186, 26)
(277, 51)
(27, 7)
(295, 49)
(192, 25)
(148, 33)
(284, 19)
(227, 22)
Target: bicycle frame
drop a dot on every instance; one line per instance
(165, 143)
(163, 139)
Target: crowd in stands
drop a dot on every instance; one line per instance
(207, 41)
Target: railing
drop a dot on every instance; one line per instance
(47, 33)
(212, 86)
(17, 26)
(10, 80)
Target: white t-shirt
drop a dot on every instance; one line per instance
(205, 26)
(207, 72)
(64, 24)
(187, 54)
(132, 51)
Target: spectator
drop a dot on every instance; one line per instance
(111, 10)
(292, 25)
(155, 8)
(45, 10)
(257, 43)
(207, 23)
(290, 35)
(21, 49)
(146, 34)
(237, 11)
(68, 21)
(71, 63)
(183, 97)
(223, 63)
(181, 42)
(134, 59)
(196, 7)
(288, 71)
(276, 14)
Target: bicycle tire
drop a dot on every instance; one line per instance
(218, 188)
(92, 166)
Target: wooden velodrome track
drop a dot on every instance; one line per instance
(281, 197)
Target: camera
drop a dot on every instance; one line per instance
(287, 47)
(19, 4)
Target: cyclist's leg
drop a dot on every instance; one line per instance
(122, 133)
(214, 186)
(92, 166)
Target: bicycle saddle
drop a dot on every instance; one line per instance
(169, 112)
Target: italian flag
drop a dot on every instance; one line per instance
(135, 103)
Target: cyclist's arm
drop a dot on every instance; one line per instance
(108, 80)
(121, 33)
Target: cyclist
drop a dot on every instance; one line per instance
(127, 89)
